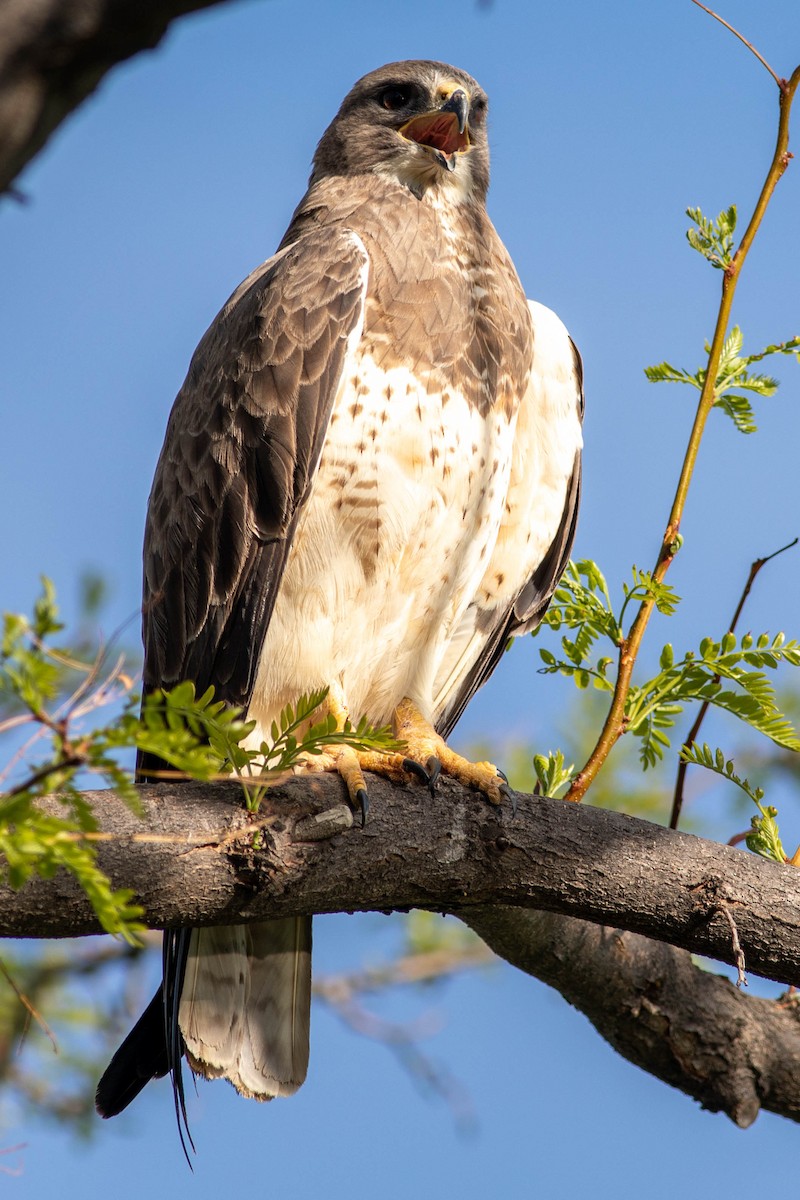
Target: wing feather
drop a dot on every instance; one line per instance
(555, 403)
(242, 446)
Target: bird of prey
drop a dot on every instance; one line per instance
(369, 483)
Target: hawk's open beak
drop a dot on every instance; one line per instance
(444, 131)
(458, 103)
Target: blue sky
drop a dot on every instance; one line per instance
(146, 209)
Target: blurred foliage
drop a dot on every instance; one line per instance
(54, 1035)
(52, 695)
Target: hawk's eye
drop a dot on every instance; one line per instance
(395, 97)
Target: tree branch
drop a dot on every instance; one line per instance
(197, 857)
(54, 53)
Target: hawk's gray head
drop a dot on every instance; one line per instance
(421, 123)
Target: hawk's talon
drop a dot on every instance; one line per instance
(362, 799)
(508, 793)
(502, 775)
(412, 767)
(434, 769)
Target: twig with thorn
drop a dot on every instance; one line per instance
(692, 735)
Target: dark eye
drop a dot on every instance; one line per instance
(395, 97)
(478, 114)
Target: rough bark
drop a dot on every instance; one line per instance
(195, 856)
(54, 53)
(198, 857)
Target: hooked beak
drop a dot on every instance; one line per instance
(458, 103)
(444, 131)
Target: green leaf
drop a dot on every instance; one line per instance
(713, 239)
(733, 377)
(765, 837)
(552, 776)
(581, 604)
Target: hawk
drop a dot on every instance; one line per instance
(369, 483)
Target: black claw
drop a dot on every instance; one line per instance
(434, 768)
(412, 767)
(363, 803)
(509, 794)
(502, 775)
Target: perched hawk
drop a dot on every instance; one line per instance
(369, 483)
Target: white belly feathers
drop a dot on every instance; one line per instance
(423, 515)
(390, 548)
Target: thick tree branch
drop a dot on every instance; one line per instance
(54, 53)
(196, 857)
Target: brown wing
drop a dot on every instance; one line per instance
(533, 597)
(242, 445)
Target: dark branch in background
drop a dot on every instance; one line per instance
(345, 995)
(691, 737)
(198, 858)
(54, 53)
(694, 1030)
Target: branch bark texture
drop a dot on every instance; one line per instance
(54, 53)
(541, 887)
(197, 857)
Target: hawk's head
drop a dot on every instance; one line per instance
(418, 122)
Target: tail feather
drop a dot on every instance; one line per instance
(236, 1001)
(245, 1008)
(154, 1047)
(278, 1014)
(175, 955)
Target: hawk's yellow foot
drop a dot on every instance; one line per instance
(351, 764)
(426, 746)
(427, 757)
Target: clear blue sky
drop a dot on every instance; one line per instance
(145, 211)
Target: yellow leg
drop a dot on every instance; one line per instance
(351, 764)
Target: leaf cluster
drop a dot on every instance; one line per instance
(713, 238)
(698, 677)
(764, 838)
(297, 735)
(553, 776)
(733, 377)
(729, 673)
(34, 675)
(196, 736)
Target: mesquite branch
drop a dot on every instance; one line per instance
(197, 857)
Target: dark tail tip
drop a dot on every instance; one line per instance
(140, 1058)
(154, 1047)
